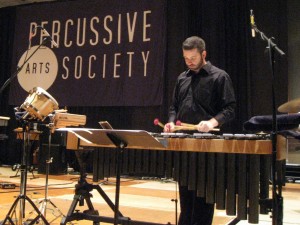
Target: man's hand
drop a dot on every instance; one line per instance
(169, 127)
(207, 125)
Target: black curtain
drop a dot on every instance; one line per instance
(8, 151)
(6, 41)
(225, 26)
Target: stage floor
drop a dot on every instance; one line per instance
(140, 199)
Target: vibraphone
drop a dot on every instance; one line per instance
(230, 170)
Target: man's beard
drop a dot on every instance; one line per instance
(198, 66)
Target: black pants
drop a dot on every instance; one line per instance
(194, 210)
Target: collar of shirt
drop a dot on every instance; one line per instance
(205, 69)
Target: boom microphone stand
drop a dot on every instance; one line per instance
(277, 199)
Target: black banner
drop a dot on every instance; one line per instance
(108, 53)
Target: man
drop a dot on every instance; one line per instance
(204, 96)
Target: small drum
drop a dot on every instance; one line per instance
(39, 104)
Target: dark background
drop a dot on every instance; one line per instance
(225, 25)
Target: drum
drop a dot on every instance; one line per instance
(39, 104)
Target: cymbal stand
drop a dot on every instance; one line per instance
(43, 203)
(22, 198)
(277, 198)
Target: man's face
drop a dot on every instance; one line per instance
(193, 59)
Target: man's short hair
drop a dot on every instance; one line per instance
(194, 42)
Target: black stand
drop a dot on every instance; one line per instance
(22, 198)
(119, 139)
(82, 193)
(277, 199)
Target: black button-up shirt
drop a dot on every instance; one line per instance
(202, 96)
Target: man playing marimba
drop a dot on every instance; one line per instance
(203, 96)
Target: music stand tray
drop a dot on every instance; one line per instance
(137, 139)
(118, 139)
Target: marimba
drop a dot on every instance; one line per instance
(232, 171)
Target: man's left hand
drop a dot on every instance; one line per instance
(207, 125)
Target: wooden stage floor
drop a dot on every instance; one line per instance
(140, 199)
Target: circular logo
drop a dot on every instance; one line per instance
(40, 70)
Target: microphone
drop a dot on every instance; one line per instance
(252, 23)
(49, 36)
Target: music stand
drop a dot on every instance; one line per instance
(118, 139)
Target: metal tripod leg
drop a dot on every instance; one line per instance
(44, 205)
(15, 219)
